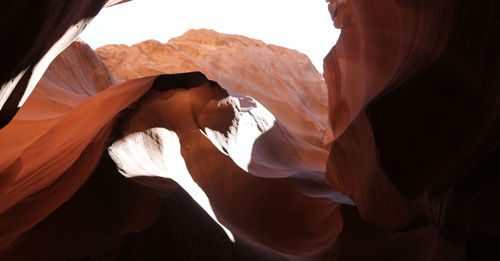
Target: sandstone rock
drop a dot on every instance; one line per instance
(283, 80)
(34, 34)
(413, 108)
(253, 159)
(412, 93)
(228, 152)
(43, 141)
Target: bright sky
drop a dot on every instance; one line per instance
(304, 25)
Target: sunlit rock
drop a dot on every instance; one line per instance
(232, 157)
(49, 137)
(253, 179)
(174, 167)
(283, 80)
(35, 32)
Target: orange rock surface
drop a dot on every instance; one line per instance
(48, 138)
(34, 34)
(174, 167)
(227, 152)
(283, 80)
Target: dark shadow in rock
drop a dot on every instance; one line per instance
(484, 250)
(166, 82)
(435, 126)
(183, 231)
(113, 217)
(30, 29)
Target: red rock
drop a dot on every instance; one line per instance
(46, 138)
(413, 108)
(231, 147)
(34, 34)
(412, 94)
(283, 80)
(242, 140)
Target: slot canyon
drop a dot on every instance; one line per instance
(216, 146)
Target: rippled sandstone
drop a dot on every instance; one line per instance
(123, 152)
(413, 108)
(34, 33)
(412, 100)
(283, 80)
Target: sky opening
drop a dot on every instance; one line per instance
(303, 25)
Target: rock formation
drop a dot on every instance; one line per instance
(163, 133)
(76, 75)
(35, 32)
(154, 162)
(412, 85)
(269, 71)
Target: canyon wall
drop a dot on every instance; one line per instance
(102, 160)
(35, 32)
(413, 86)
(110, 164)
(283, 80)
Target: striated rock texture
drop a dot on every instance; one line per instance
(33, 34)
(98, 172)
(413, 100)
(283, 80)
(41, 133)
(174, 167)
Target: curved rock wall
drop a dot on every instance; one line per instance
(90, 172)
(229, 153)
(283, 80)
(413, 100)
(52, 145)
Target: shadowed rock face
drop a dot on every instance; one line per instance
(413, 85)
(259, 182)
(44, 141)
(176, 167)
(34, 33)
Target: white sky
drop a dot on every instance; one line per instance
(304, 25)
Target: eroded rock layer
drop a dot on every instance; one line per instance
(34, 33)
(164, 134)
(283, 80)
(49, 137)
(413, 103)
(173, 166)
